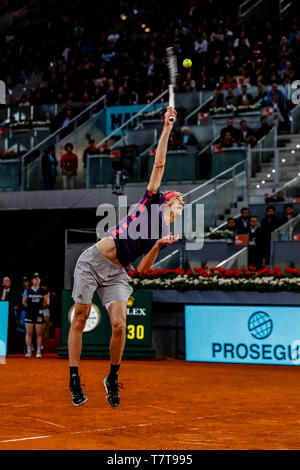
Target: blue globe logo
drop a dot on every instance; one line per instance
(260, 325)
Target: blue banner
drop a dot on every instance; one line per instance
(3, 327)
(243, 334)
(116, 116)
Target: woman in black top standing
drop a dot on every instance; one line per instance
(35, 299)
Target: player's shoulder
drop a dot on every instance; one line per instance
(154, 198)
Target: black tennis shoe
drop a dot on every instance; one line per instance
(112, 392)
(78, 397)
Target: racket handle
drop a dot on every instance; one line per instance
(171, 100)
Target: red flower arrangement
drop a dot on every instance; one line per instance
(275, 197)
(218, 278)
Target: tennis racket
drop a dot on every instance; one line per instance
(173, 71)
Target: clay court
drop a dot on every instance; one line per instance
(167, 405)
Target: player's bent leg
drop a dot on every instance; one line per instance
(81, 314)
(117, 312)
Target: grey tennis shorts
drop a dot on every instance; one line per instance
(94, 271)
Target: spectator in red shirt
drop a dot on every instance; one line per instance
(69, 165)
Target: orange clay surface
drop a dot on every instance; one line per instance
(167, 405)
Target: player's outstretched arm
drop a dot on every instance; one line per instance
(148, 260)
(161, 152)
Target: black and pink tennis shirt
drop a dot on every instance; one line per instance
(137, 233)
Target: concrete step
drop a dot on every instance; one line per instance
(284, 176)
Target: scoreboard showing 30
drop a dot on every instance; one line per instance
(139, 319)
(97, 332)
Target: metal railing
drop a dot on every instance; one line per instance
(285, 231)
(124, 126)
(212, 183)
(284, 5)
(238, 260)
(38, 150)
(261, 153)
(196, 110)
(246, 7)
(295, 120)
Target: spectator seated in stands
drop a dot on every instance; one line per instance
(68, 118)
(46, 122)
(245, 98)
(261, 95)
(264, 128)
(228, 82)
(228, 141)
(246, 134)
(24, 101)
(229, 103)
(281, 100)
(12, 124)
(187, 137)
(219, 99)
(91, 149)
(280, 113)
(242, 222)
(26, 124)
(231, 225)
(289, 212)
(230, 93)
(234, 132)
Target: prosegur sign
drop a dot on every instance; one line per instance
(116, 116)
(243, 334)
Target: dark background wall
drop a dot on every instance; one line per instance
(35, 241)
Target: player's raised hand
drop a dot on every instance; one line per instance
(171, 112)
(167, 240)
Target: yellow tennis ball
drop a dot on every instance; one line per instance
(187, 63)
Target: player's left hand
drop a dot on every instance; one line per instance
(167, 240)
(170, 112)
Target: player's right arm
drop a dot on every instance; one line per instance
(161, 152)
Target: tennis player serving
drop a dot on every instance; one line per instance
(103, 266)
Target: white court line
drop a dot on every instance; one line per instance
(163, 409)
(46, 422)
(86, 431)
(110, 429)
(26, 438)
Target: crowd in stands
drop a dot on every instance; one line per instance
(22, 316)
(259, 232)
(29, 123)
(277, 99)
(231, 136)
(83, 50)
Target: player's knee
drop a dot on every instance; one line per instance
(118, 327)
(79, 320)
